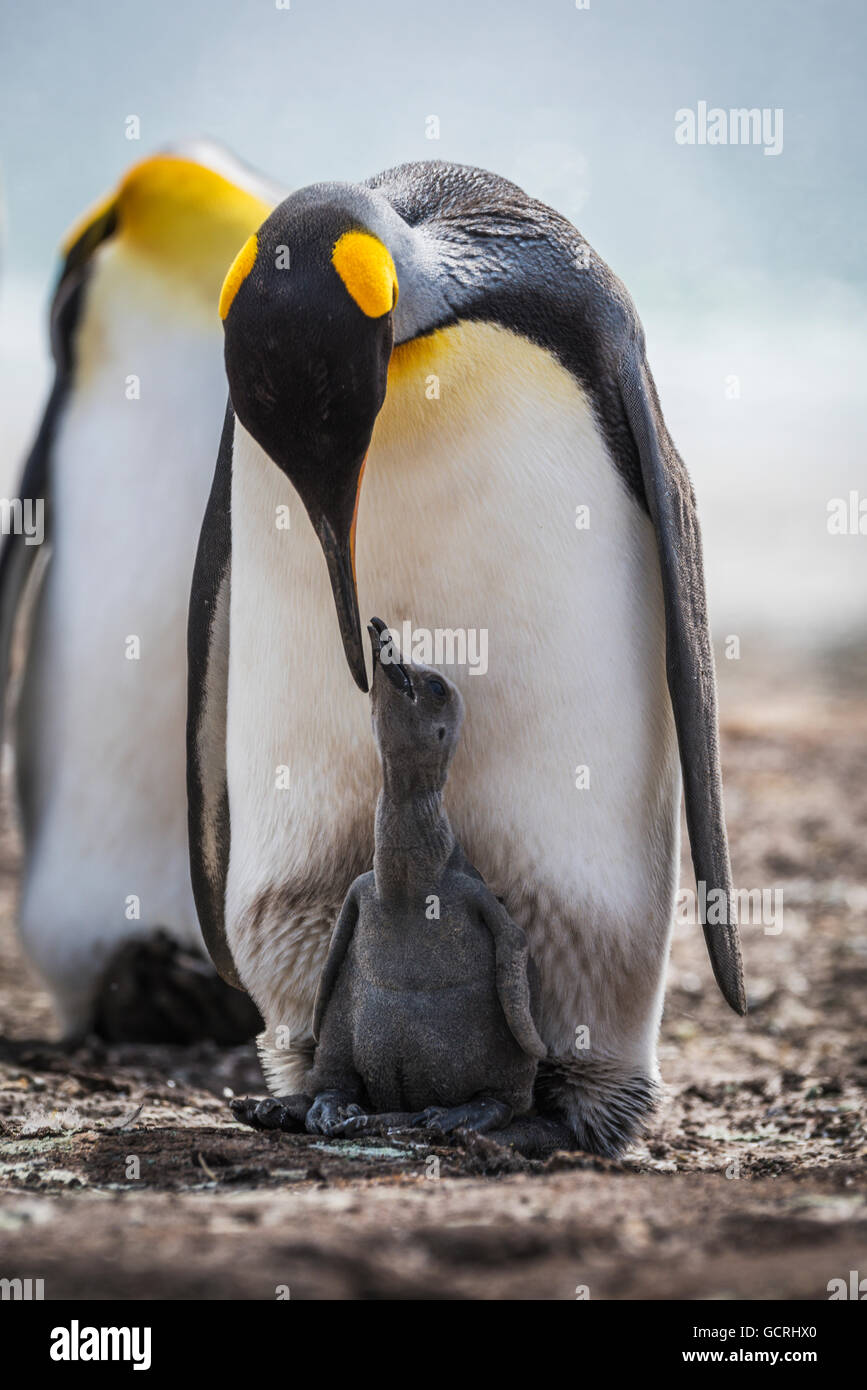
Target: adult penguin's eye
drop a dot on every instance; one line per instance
(438, 689)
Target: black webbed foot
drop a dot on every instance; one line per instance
(537, 1136)
(480, 1115)
(331, 1113)
(274, 1112)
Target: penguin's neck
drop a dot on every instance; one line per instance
(413, 840)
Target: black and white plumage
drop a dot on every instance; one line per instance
(599, 645)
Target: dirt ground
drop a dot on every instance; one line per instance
(123, 1175)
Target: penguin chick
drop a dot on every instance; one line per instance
(423, 1014)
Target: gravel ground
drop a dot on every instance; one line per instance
(122, 1173)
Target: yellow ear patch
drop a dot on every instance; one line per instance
(182, 217)
(237, 274)
(367, 270)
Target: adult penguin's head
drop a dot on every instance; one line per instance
(308, 308)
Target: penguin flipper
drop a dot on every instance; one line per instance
(17, 558)
(207, 690)
(689, 657)
(340, 939)
(513, 973)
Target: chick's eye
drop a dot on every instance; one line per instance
(438, 689)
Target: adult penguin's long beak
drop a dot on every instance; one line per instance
(387, 659)
(337, 537)
(307, 358)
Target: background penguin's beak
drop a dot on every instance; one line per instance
(384, 657)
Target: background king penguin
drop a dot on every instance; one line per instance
(122, 464)
(428, 374)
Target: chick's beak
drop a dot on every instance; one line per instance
(385, 658)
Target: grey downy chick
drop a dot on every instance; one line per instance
(423, 1015)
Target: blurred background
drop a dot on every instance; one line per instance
(746, 268)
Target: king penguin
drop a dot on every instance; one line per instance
(122, 465)
(431, 377)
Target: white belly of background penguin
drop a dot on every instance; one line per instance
(466, 519)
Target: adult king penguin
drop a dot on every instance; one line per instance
(122, 464)
(460, 346)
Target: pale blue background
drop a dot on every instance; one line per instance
(740, 263)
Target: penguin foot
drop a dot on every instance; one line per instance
(388, 1122)
(274, 1112)
(155, 991)
(479, 1115)
(537, 1136)
(331, 1113)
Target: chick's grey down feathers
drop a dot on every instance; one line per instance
(425, 996)
(424, 1009)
